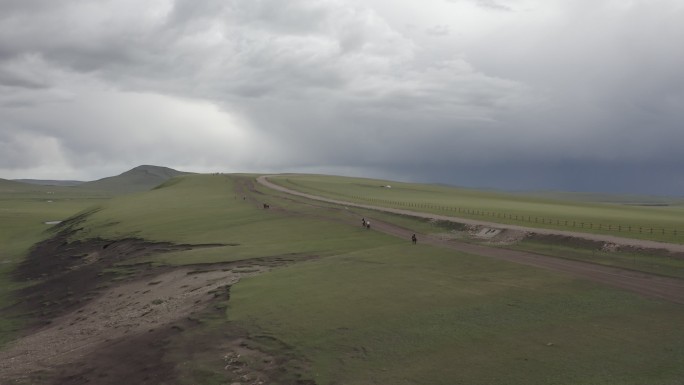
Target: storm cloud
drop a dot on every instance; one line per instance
(508, 94)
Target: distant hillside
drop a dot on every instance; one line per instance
(141, 178)
(14, 186)
(36, 190)
(42, 182)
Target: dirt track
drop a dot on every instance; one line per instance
(670, 289)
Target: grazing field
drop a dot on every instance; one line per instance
(420, 315)
(661, 222)
(206, 209)
(315, 295)
(24, 209)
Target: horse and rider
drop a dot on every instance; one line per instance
(365, 223)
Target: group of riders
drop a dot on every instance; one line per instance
(366, 223)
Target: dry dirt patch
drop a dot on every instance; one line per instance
(97, 317)
(128, 309)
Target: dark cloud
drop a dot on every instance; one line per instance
(333, 85)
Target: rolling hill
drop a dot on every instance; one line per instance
(141, 178)
(10, 186)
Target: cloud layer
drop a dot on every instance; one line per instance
(508, 93)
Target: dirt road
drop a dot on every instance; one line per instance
(670, 289)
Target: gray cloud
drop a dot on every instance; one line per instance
(438, 30)
(487, 4)
(335, 85)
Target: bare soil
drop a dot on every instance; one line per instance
(99, 318)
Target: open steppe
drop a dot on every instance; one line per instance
(196, 281)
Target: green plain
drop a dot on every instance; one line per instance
(373, 309)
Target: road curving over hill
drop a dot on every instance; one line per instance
(649, 285)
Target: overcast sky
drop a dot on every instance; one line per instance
(577, 95)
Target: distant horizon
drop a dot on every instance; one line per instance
(474, 187)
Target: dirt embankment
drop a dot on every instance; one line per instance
(98, 317)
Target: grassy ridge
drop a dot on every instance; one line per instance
(662, 223)
(206, 209)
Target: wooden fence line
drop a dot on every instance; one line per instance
(532, 219)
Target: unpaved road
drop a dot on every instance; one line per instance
(670, 289)
(640, 243)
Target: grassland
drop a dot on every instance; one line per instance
(418, 315)
(660, 223)
(24, 209)
(205, 209)
(375, 309)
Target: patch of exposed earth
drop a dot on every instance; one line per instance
(127, 309)
(101, 318)
(489, 235)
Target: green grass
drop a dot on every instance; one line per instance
(24, 209)
(419, 315)
(375, 309)
(653, 263)
(204, 209)
(661, 223)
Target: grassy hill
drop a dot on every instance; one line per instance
(138, 179)
(362, 307)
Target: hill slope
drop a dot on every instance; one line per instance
(43, 182)
(141, 178)
(11, 186)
